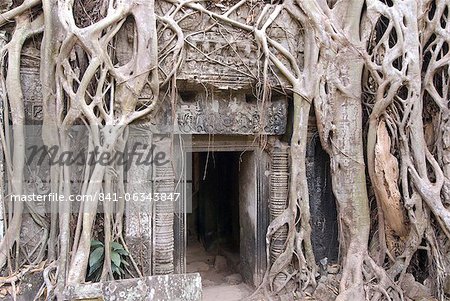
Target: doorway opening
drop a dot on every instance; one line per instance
(324, 220)
(213, 225)
(216, 223)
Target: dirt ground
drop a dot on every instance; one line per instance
(216, 284)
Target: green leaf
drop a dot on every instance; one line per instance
(122, 252)
(96, 243)
(95, 268)
(116, 246)
(115, 269)
(115, 258)
(125, 263)
(122, 272)
(96, 255)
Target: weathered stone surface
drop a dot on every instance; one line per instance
(324, 293)
(447, 286)
(84, 291)
(138, 221)
(233, 279)
(220, 264)
(32, 94)
(221, 112)
(5, 5)
(178, 287)
(414, 289)
(197, 112)
(333, 269)
(27, 290)
(208, 282)
(197, 266)
(163, 228)
(228, 59)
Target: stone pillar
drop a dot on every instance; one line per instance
(138, 214)
(163, 210)
(253, 219)
(263, 190)
(279, 193)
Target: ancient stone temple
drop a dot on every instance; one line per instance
(230, 164)
(226, 141)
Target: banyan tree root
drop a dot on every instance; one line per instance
(357, 55)
(15, 107)
(106, 109)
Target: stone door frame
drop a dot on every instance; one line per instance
(261, 160)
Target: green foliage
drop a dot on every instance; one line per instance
(97, 257)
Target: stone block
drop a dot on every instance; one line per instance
(177, 287)
(234, 279)
(220, 264)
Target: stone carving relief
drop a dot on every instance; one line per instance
(32, 94)
(225, 112)
(219, 69)
(224, 56)
(233, 118)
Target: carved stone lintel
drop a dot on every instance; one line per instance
(225, 112)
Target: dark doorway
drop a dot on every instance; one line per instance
(214, 221)
(325, 241)
(218, 200)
